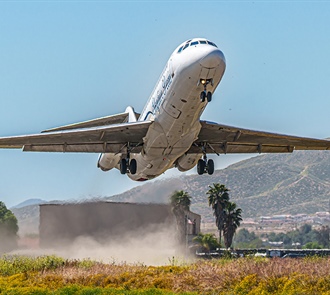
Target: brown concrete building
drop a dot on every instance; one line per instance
(60, 224)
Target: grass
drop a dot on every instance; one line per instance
(54, 275)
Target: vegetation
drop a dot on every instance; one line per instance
(245, 239)
(218, 198)
(8, 229)
(227, 216)
(207, 242)
(304, 235)
(180, 204)
(53, 275)
(307, 237)
(232, 222)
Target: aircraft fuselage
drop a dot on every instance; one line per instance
(175, 107)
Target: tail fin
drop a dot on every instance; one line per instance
(131, 114)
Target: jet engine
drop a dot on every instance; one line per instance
(187, 161)
(108, 161)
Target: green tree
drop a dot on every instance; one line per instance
(8, 229)
(207, 242)
(312, 245)
(232, 220)
(323, 236)
(245, 239)
(180, 204)
(218, 197)
(305, 229)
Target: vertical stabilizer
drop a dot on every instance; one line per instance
(131, 114)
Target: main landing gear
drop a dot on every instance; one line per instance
(205, 166)
(128, 166)
(206, 94)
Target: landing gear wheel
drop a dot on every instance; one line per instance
(202, 96)
(209, 96)
(210, 167)
(201, 167)
(132, 166)
(123, 166)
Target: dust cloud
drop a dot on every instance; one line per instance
(155, 245)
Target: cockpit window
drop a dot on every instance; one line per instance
(189, 43)
(184, 47)
(211, 43)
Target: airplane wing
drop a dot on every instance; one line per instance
(101, 139)
(222, 139)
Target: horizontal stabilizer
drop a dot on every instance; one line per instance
(104, 121)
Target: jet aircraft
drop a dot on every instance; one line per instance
(168, 132)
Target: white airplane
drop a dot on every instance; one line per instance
(168, 133)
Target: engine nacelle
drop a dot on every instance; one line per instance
(186, 162)
(108, 161)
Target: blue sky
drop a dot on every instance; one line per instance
(64, 62)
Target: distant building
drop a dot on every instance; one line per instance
(276, 219)
(61, 224)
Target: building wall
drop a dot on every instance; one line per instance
(61, 224)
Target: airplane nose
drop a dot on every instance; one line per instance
(212, 59)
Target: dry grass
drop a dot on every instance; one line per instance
(241, 276)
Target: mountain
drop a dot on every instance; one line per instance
(27, 219)
(29, 202)
(264, 185)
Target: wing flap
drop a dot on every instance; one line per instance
(99, 139)
(219, 138)
(230, 148)
(80, 148)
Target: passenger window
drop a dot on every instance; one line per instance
(194, 43)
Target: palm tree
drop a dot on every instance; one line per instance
(180, 203)
(233, 218)
(218, 198)
(207, 242)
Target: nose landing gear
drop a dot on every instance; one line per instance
(206, 94)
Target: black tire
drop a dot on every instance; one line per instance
(200, 167)
(210, 167)
(123, 166)
(209, 96)
(202, 96)
(132, 166)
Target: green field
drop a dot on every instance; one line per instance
(54, 275)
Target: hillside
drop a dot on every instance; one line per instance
(263, 185)
(28, 219)
(29, 202)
